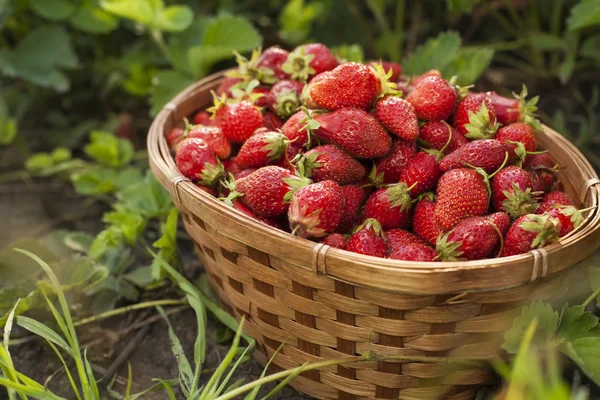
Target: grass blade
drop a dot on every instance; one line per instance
(154, 388)
(232, 370)
(200, 342)
(284, 382)
(36, 393)
(168, 389)
(67, 370)
(185, 370)
(59, 319)
(252, 395)
(8, 369)
(42, 330)
(9, 325)
(90, 376)
(129, 382)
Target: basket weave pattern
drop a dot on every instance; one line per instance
(325, 303)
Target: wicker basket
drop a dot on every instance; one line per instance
(327, 303)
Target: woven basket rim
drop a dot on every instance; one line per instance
(343, 262)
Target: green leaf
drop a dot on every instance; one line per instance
(174, 19)
(462, 6)
(435, 53)
(60, 154)
(108, 149)
(42, 330)
(53, 10)
(185, 370)
(8, 131)
(296, 20)
(222, 35)
(469, 65)
(167, 243)
(146, 197)
(585, 351)
(128, 176)
(585, 13)
(141, 276)
(548, 321)
(167, 85)
(40, 57)
(575, 322)
(38, 162)
(78, 241)
(111, 237)
(130, 224)
(349, 52)
(95, 181)
(547, 41)
(590, 47)
(142, 11)
(92, 19)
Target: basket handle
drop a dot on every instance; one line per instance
(590, 183)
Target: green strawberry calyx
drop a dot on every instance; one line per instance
(298, 66)
(480, 126)
(399, 195)
(249, 70)
(376, 178)
(388, 88)
(306, 163)
(229, 183)
(372, 224)
(276, 144)
(245, 91)
(211, 173)
(448, 250)
(546, 227)
(310, 124)
(520, 202)
(527, 109)
(295, 183)
(286, 104)
(486, 176)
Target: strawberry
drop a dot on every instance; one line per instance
(243, 173)
(272, 121)
(175, 137)
(230, 166)
(208, 189)
(238, 120)
(368, 239)
(424, 225)
(329, 162)
(309, 60)
(353, 197)
(473, 238)
(416, 79)
(512, 192)
(273, 59)
(264, 191)
(436, 134)
(233, 200)
(530, 232)
(213, 136)
(488, 154)
(262, 148)
(553, 199)
(202, 118)
(284, 97)
(519, 140)
(295, 128)
(569, 218)
(414, 252)
(421, 173)
(336, 240)
(387, 170)
(541, 161)
(475, 117)
(433, 98)
(398, 116)
(316, 210)
(501, 220)
(226, 84)
(543, 170)
(196, 161)
(348, 85)
(355, 131)
(391, 206)
(462, 193)
(518, 109)
(388, 66)
(396, 239)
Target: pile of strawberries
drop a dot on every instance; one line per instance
(362, 158)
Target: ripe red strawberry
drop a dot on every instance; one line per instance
(488, 154)
(541, 161)
(519, 140)
(436, 134)
(348, 85)
(569, 218)
(398, 116)
(272, 121)
(213, 136)
(424, 224)
(553, 199)
(355, 131)
(238, 120)
(421, 173)
(295, 129)
(387, 170)
(515, 110)
(336, 240)
(501, 220)
(512, 192)
(391, 206)
(243, 173)
(396, 239)
(472, 239)
(273, 59)
(175, 137)
(329, 162)
(262, 148)
(264, 190)
(387, 66)
(226, 85)
(284, 97)
(230, 166)
(208, 189)
(316, 210)
(353, 197)
(233, 200)
(462, 193)
(414, 252)
(416, 79)
(475, 117)
(433, 99)
(530, 232)
(368, 239)
(196, 161)
(202, 118)
(309, 60)
(544, 172)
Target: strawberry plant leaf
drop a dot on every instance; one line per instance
(167, 84)
(462, 6)
(40, 58)
(95, 181)
(174, 19)
(296, 19)
(575, 322)
(53, 10)
(590, 47)
(146, 197)
(583, 14)
(92, 19)
(108, 149)
(349, 52)
(435, 53)
(468, 65)
(547, 41)
(142, 11)
(167, 244)
(548, 322)
(585, 351)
